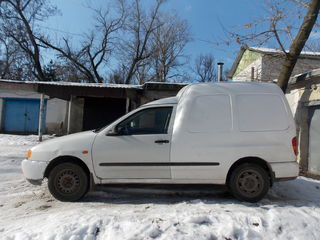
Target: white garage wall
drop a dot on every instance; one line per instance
(56, 116)
(56, 109)
(293, 98)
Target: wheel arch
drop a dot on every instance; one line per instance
(254, 160)
(64, 159)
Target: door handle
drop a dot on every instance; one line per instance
(161, 141)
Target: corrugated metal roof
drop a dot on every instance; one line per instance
(64, 90)
(101, 85)
(303, 76)
(98, 85)
(77, 84)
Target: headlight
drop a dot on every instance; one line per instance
(29, 154)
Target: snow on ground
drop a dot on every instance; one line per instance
(291, 210)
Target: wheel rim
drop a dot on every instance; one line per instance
(67, 181)
(250, 183)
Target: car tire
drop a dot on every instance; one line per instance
(249, 182)
(68, 182)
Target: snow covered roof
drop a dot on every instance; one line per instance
(76, 84)
(100, 85)
(278, 51)
(266, 51)
(64, 90)
(97, 85)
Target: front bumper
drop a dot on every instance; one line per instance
(33, 170)
(285, 170)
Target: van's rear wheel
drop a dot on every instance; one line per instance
(249, 182)
(68, 182)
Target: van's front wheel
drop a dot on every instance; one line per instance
(68, 182)
(249, 182)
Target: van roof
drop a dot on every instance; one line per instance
(220, 88)
(169, 100)
(230, 88)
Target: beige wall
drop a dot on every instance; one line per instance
(267, 68)
(300, 96)
(245, 74)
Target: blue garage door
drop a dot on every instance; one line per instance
(21, 115)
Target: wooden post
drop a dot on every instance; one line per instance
(41, 114)
(69, 115)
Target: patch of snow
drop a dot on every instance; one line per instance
(291, 209)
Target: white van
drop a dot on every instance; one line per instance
(238, 134)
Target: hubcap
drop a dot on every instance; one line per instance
(67, 181)
(250, 183)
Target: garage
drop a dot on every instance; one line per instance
(314, 140)
(303, 95)
(72, 107)
(99, 112)
(20, 115)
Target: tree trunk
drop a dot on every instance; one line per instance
(131, 72)
(298, 44)
(35, 54)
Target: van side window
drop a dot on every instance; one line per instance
(147, 121)
(261, 112)
(210, 113)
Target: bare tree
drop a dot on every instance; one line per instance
(64, 70)
(19, 20)
(14, 63)
(298, 43)
(144, 71)
(96, 47)
(8, 54)
(118, 75)
(150, 43)
(205, 68)
(169, 41)
(280, 25)
(136, 45)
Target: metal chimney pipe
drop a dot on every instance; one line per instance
(220, 70)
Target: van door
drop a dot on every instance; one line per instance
(140, 149)
(202, 138)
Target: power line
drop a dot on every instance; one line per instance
(61, 31)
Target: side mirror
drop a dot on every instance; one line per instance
(123, 130)
(112, 132)
(118, 131)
